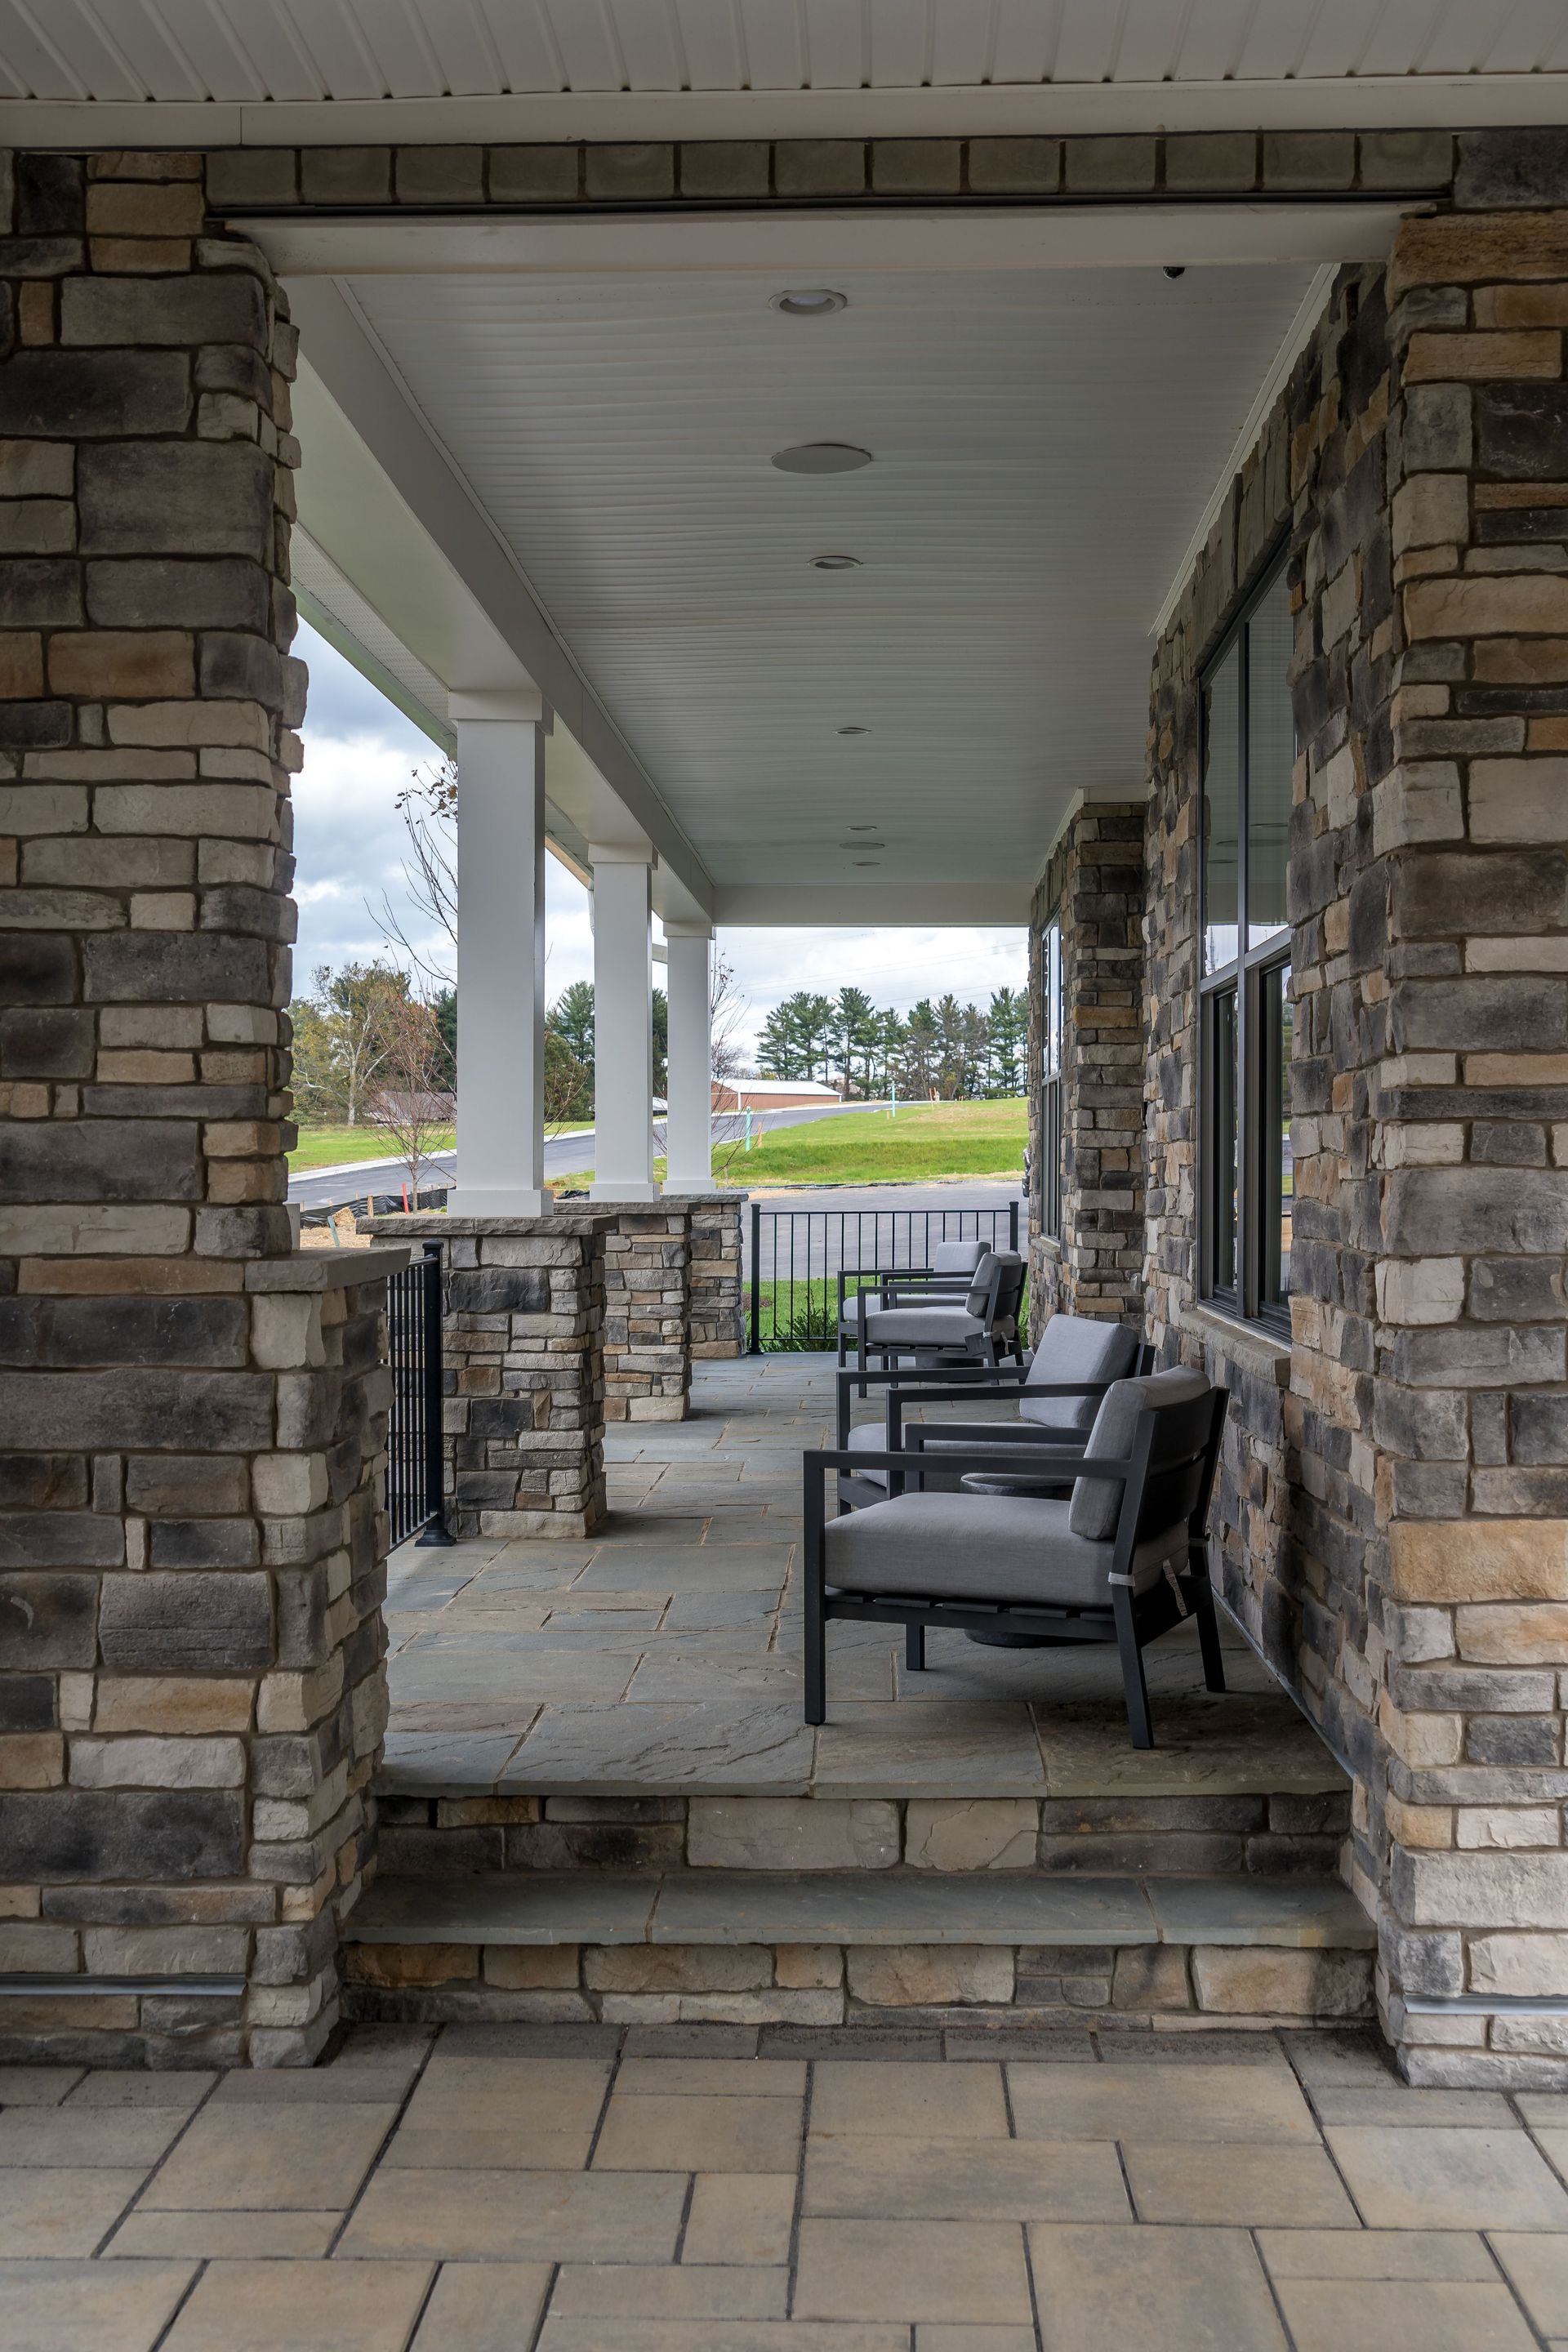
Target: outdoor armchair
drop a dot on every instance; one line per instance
(1074, 1364)
(947, 1278)
(1123, 1560)
(985, 1318)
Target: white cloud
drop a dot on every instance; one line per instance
(359, 753)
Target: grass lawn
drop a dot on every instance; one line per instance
(924, 1140)
(325, 1147)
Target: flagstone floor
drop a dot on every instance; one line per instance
(663, 1656)
(586, 2188)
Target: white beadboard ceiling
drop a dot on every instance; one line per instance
(1043, 444)
(253, 52)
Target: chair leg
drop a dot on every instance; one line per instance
(1140, 1730)
(915, 1649)
(1207, 1615)
(815, 1656)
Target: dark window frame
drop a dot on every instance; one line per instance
(1053, 1128)
(1242, 981)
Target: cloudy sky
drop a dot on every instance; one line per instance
(360, 752)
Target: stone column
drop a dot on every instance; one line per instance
(1096, 885)
(717, 1312)
(622, 1023)
(500, 956)
(191, 1418)
(647, 1336)
(688, 1129)
(523, 1335)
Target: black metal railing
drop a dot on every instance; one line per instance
(795, 1257)
(415, 1497)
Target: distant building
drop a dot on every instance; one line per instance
(770, 1094)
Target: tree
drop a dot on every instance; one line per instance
(411, 1101)
(570, 1018)
(920, 1055)
(341, 1035)
(1006, 1024)
(854, 1038)
(429, 807)
(446, 1011)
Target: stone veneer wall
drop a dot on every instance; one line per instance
(192, 1418)
(523, 1338)
(716, 1307)
(1393, 1521)
(646, 1338)
(1095, 883)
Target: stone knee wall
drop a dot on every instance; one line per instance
(523, 1340)
(1392, 1521)
(718, 1309)
(1095, 886)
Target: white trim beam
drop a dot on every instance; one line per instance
(762, 905)
(303, 247)
(993, 109)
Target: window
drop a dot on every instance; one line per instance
(1053, 1128)
(1249, 752)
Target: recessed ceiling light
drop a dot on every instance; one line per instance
(863, 828)
(868, 861)
(836, 563)
(809, 302)
(854, 730)
(821, 457)
(862, 845)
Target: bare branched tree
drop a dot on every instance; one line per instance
(413, 1106)
(727, 1010)
(429, 807)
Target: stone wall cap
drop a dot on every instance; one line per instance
(431, 1224)
(338, 1269)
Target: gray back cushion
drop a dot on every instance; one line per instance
(1076, 1348)
(956, 1257)
(978, 1302)
(1097, 1502)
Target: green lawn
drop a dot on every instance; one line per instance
(924, 1140)
(326, 1146)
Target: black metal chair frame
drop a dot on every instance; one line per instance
(988, 1379)
(1131, 1619)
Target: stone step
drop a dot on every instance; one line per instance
(821, 1947)
(1267, 1832)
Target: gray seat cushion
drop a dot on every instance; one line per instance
(983, 1547)
(921, 1326)
(957, 1258)
(1076, 1348)
(1097, 1502)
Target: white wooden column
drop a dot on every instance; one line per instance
(688, 1129)
(500, 956)
(622, 1023)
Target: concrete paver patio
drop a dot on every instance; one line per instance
(663, 1656)
(518, 2189)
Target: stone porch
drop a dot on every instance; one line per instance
(598, 1799)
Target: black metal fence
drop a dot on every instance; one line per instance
(415, 1502)
(795, 1257)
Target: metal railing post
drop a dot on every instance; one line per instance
(436, 1531)
(1013, 1227)
(755, 1347)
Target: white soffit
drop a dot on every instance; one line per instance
(1043, 442)
(278, 72)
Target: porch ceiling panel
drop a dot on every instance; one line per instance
(257, 52)
(1043, 445)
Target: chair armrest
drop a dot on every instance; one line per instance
(977, 1457)
(984, 1376)
(981, 1431)
(961, 1395)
